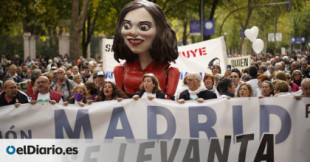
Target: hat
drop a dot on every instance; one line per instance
(100, 73)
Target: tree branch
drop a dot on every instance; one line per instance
(82, 16)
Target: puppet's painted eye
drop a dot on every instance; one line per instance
(144, 27)
(127, 26)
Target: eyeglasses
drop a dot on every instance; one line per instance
(297, 75)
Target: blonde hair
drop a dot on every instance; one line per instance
(76, 77)
(281, 86)
(83, 87)
(280, 75)
(249, 87)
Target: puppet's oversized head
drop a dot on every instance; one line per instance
(142, 28)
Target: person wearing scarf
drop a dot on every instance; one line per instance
(194, 92)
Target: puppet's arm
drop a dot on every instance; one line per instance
(172, 81)
(119, 76)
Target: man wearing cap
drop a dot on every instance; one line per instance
(100, 79)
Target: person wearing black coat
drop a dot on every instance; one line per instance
(158, 94)
(205, 94)
(149, 88)
(11, 95)
(194, 92)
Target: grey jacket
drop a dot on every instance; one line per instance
(66, 87)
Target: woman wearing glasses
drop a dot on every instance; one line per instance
(297, 77)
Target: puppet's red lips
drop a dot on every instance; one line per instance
(135, 42)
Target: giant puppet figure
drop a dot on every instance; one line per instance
(146, 41)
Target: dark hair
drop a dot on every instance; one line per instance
(211, 63)
(253, 71)
(223, 85)
(116, 92)
(236, 71)
(218, 66)
(164, 47)
(92, 87)
(264, 68)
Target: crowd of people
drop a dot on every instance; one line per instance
(146, 42)
(82, 82)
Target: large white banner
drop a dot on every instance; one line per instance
(239, 129)
(200, 56)
(192, 58)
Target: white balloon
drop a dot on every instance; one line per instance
(258, 46)
(252, 33)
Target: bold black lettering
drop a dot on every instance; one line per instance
(244, 139)
(88, 152)
(268, 143)
(246, 62)
(141, 154)
(192, 148)
(307, 110)
(108, 48)
(173, 152)
(122, 150)
(215, 148)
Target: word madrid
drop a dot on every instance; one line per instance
(119, 118)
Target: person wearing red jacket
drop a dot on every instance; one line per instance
(44, 93)
(146, 41)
